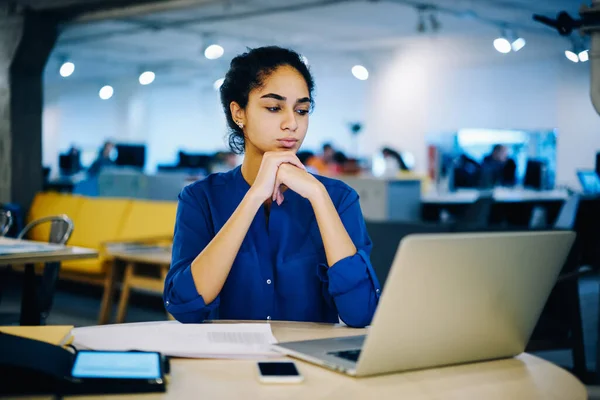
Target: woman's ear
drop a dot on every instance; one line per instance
(237, 113)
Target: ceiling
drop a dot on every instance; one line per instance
(171, 41)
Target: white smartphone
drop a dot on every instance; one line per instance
(278, 372)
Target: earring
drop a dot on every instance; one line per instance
(241, 125)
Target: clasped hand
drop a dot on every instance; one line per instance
(284, 168)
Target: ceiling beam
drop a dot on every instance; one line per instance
(158, 25)
(129, 8)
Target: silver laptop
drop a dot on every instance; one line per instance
(450, 299)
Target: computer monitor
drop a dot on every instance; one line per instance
(68, 164)
(590, 181)
(535, 174)
(194, 161)
(131, 155)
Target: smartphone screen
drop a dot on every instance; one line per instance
(278, 369)
(117, 365)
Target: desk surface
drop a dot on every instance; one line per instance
(504, 195)
(524, 377)
(62, 254)
(150, 255)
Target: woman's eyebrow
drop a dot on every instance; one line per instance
(273, 96)
(281, 98)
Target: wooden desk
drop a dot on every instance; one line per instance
(524, 377)
(135, 259)
(512, 207)
(62, 254)
(30, 313)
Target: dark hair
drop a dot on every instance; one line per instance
(387, 151)
(339, 157)
(248, 71)
(304, 156)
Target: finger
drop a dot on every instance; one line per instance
(276, 188)
(279, 198)
(291, 158)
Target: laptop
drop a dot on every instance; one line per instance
(450, 298)
(590, 181)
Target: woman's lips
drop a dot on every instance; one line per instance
(288, 143)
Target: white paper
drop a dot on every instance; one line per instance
(211, 340)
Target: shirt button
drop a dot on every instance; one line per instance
(268, 281)
(167, 303)
(268, 317)
(377, 291)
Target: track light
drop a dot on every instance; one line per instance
(360, 72)
(147, 77)
(66, 69)
(106, 92)
(518, 44)
(578, 52)
(218, 83)
(213, 52)
(434, 22)
(421, 28)
(572, 56)
(502, 45)
(509, 41)
(423, 19)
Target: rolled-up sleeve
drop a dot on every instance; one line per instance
(351, 282)
(192, 235)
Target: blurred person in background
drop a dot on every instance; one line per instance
(103, 160)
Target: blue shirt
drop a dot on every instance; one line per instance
(280, 271)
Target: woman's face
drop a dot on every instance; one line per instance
(276, 116)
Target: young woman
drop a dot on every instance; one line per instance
(268, 240)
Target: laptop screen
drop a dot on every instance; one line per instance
(590, 182)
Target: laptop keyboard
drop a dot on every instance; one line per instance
(351, 355)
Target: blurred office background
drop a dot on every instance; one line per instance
(429, 109)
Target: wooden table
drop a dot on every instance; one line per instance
(524, 377)
(134, 258)
(30, 312)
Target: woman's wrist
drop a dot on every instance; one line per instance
(319, 194)
(253, 199)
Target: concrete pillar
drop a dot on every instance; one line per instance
(26, 40)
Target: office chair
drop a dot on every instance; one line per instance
(386, 235)
(477, 215)
(60, 231)
(560, 325)
(6, 221)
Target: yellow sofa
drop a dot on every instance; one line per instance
(100, 220)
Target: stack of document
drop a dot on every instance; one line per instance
(210, 340)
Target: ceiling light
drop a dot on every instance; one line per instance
(360, 72)
(518, 44)
(147, 77)
(584, 56)
(67, 69)
(502, 45)
(218, 83)
(106, 92)
(572, 56)
(213, 52)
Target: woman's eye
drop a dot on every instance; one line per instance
(273, 109)
(302, 112)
